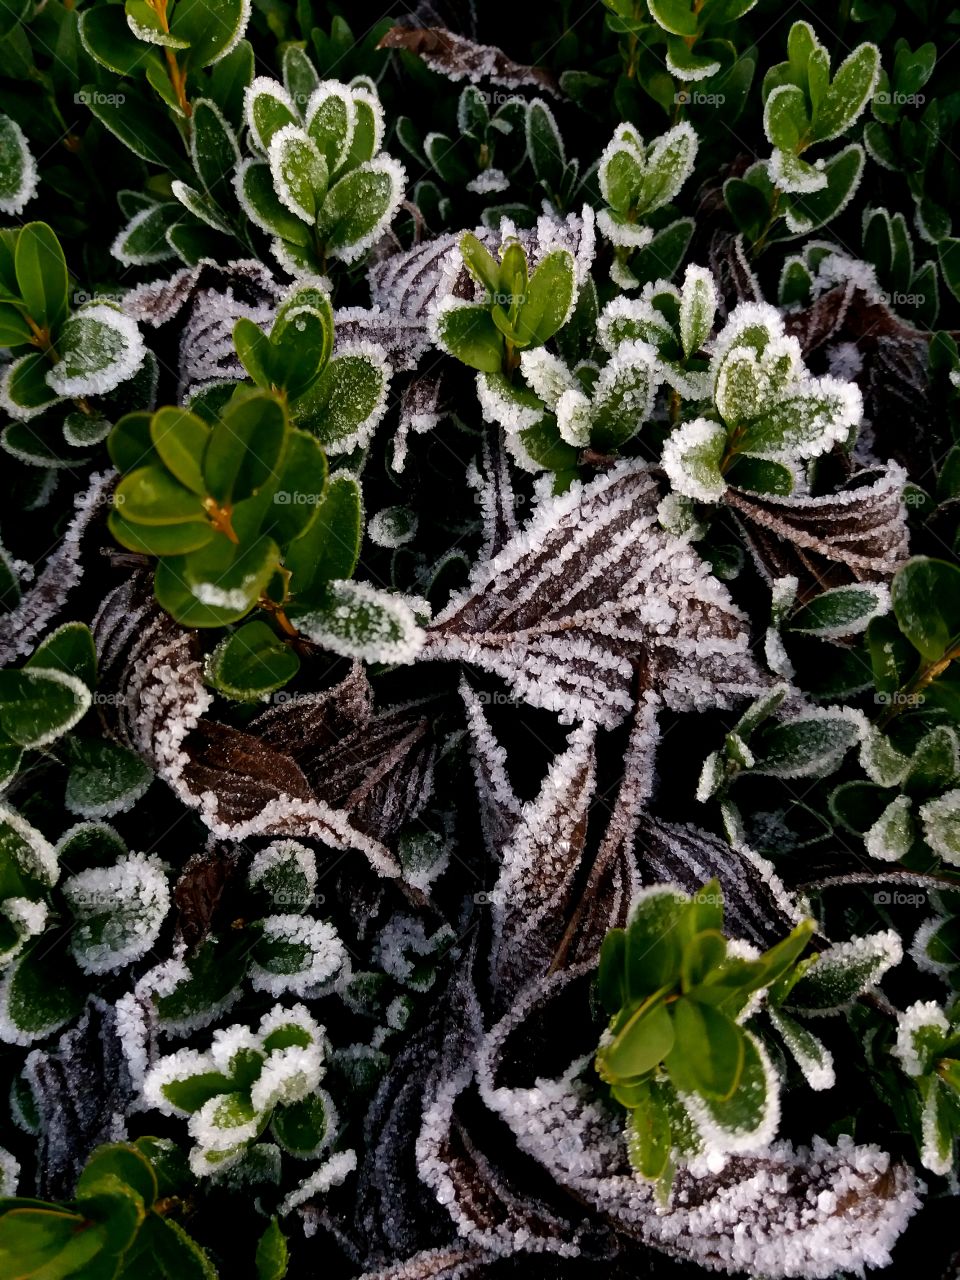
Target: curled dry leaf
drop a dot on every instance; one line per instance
(458, 58)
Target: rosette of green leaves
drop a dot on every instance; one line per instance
(675, 323)
(637, 182)
(319, 183)
(340, 398)
(771, 414)
(113, 904)
(115, 1226)
(804, 106)
(61, 353)
(248, 1080)
(520, 308)
(676, 1054)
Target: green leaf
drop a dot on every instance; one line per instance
(330, 548)
(359, 621)
(480, 262)
(38, 705)
(466, 330)
(253, 348)
(744, 1117)
(612, 978)
(654, 942)
(300, 1127)
(18, 169)
(640, 1045)
(181, 439)
(218, 584)
(42, 275)
(130, 443)
(357, 208)
(105, 779)
(272, 1256)
(851, 90)
(262, 206)
(47, 1242)
(549, 296)
(545, 146)
(99, 348)
(210, 27)
(709, 1051)
(299, 172)
(848, 969)
(245, 447)
(842, 611)
(43, 992)
(150, 495)
(121, 1161)
(251, 663)
(805, 213)
(926, 602)
(785, 119)
(299, 491)
(300, 78)
(649, 1137)
(160, 540)
(302, 339)
(213, 147)
(69, 649)
(139, 123)
(344, 402)
(812, 745)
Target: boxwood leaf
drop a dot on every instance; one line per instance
(251, 663)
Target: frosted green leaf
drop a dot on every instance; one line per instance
(253, 184)
(358, 208)
(811, 745)
(251, 663)
(331, 118)
(38, 705)
(105, 779)
(691, 459)
(358, 621)
(267, 108)
(941, 826)
(810, 1054)
(698, 306)
(809, 211)
(200, 206)
(118, 911)
(213, 147)
(785, 119)
(892, 835)
(841, 611)
(18, 169)
(99, 347)
(844, 972)
(347, 401)
(143, 240)
(669, 163)
(852, 88)
(298, 170)
(749, 1118)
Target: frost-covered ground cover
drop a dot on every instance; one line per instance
(479, 638)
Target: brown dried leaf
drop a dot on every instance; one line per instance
(857, 535)
(458, 58)
(590, 591)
